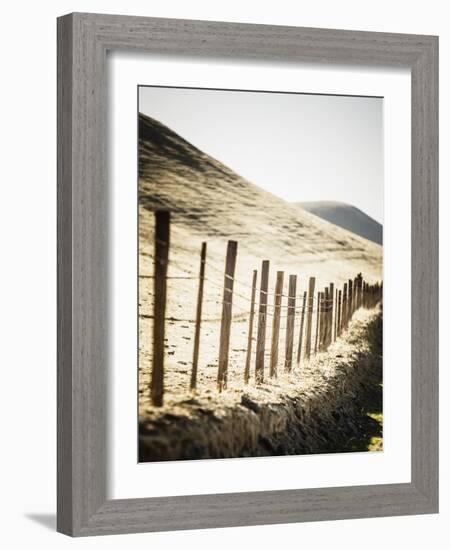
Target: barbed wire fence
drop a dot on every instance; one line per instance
(323, 315)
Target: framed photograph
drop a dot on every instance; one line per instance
(247, 274)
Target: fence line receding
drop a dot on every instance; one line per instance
(321, 317)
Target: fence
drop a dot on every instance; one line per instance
(333, 308)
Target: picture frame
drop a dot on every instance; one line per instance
(83, 240)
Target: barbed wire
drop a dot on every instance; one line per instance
(235, 293)
(320, 304)
(174, 262)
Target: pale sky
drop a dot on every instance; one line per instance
(300, 147)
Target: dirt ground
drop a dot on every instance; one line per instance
(332, 403)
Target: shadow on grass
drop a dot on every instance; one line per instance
(369, 401)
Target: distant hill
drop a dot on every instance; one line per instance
(348, 217)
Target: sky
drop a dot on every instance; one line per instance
(301, 147)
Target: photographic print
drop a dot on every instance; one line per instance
(260, 273)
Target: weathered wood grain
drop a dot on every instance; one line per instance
(162, 243)
(276, 324)
(311, 286)
(227, 314)
(198, 317)
(290, 322)
(262, 322)
(302, 323)
(248, 357)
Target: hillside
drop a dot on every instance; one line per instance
(348, 217)
(210, 202)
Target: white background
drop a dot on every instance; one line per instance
(127, 479)
(28, 268)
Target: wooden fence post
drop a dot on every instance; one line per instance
(349, 301)
(198, 318)
(318, 320)
(302, 322)
(311, 286)
(162, 238)
(330, 315)
(276, 323)
(324, 328)
(344, 308)
(357, 292)
(360, 281)
(339, 312)
(321, 318)
(250, 329)
(262, 317)
(335, 315)
(360, 285)
(227, 305)
(290, 322)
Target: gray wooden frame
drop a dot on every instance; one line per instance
(83, 40)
